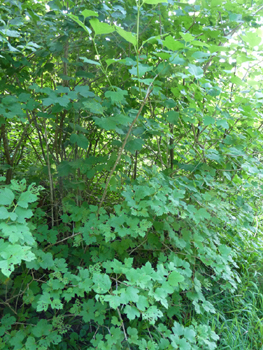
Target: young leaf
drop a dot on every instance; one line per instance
(86, 60)
(88, 13)
(134, 145)
(208, 120)
(6, 196)
(252, 38)
(174, 278)
(25, 198)
(4, 213)
(176, 60)
(116, 96)
(131, 312)
(80, 140)
(172, 44)
(143, 68)
(196, 71)
(172, 117)
(128, 36)
(223, 123)
(102, 283)
(100, 27)
(11, 33)
(187, 37)
(76, 19)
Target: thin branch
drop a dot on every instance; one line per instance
(62, 240)
(49, 176)
(123, 327)
(149, 90)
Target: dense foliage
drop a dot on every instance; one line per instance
(131, 174)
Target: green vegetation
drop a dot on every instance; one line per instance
(131, 175)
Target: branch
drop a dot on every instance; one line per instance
(149, 90)
(6, 147)
(19, 142)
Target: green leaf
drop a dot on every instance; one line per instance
(14, 254)
(116, 96)
(176, 60)
(128, 36)
(86, 60)
(187, 37)
(80, 140)
(196, 71)
(214, 92)
(172, 44)
(26, 198)
(78, 128)
(102, 283)
(43, 328)
(172, 117)
(31, 343)
(8, 321)
(84, 91)
(174, 278)
(133, 335)
(110, 61)
(152, 314)
(252, 38)
(6, 196)
(4, 213)
(17, 339)
(129, 295)
(94, 107)
(134, 145)
(23, 214)
(131, 312)
(109, 123)
(236, 80)
(202, 214)
(88, 13)
(114, 300)
(152, 39)
(16, 232)
(216, 2)
(142, 303)
(200, 54)
(100, 27)
(223, 123)
(208, 120)
(143, 68)
(235, 17)
(76, 19)
(10, 33)
(153, 2)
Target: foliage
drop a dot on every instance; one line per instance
(131, 172)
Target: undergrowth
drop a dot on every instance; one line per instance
(238, 320)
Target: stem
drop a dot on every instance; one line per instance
(101, 65)
(137, 51)
(50, 176)
(123, 327)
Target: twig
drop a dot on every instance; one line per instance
(62, 240)
(122, 324)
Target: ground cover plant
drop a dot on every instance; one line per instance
(131, 175)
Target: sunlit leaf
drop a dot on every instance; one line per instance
(128, 36)
(88, 13)
(101, 27)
